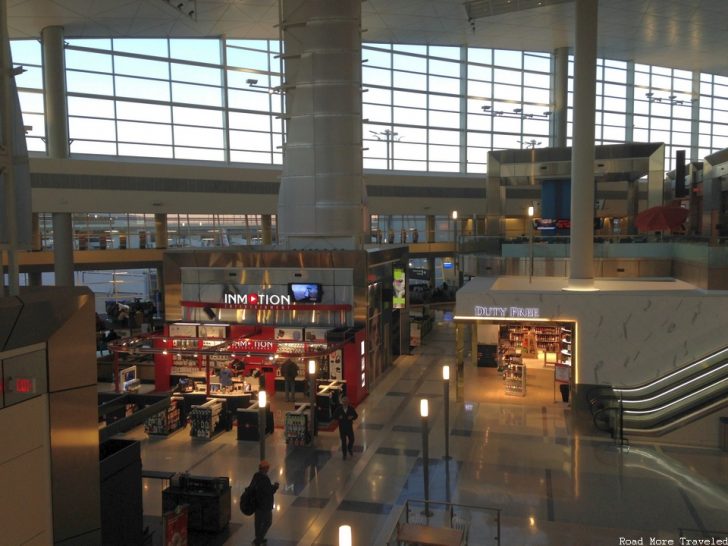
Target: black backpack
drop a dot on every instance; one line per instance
(247, 501)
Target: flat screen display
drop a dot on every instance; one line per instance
(305, 293)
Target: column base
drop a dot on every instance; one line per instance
(581, 285)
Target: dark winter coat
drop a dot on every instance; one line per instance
(264, 491)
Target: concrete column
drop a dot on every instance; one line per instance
(322, 197)
(495, 198)
(560, 97)
(695, 116)
(36, 236)
(266, 229)
(63, 248)
(430, 228)
(460, 360)
(54, 99)
(161, 234)
(633, 200)
(474, 344)
(581, 270)
(35, 278)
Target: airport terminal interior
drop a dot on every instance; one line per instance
(499, 227)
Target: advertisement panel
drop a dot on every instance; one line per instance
(398, 299)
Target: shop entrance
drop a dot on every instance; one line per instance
(524, 362)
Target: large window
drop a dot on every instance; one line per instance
(425, 108)
(197, 99)
(27, 53)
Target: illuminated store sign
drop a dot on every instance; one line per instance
(257, 299)
(507, 312)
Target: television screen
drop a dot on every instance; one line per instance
(305, 293)
(215, 387)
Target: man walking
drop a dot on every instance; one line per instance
(289, 371)
(345, 415)
(264, 491)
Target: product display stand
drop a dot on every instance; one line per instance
(209, 501)
(296, 426)
(515, 379)
(208, 419)
(168, 421)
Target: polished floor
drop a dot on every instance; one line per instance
(519, 455)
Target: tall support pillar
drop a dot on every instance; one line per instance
(161, 234)
(63, 248)
(581, 270)
(54, 99)
(560, 97)
(474, 344)
(460, 360)
(322, 196)
(35, 278)
(266, 226)
(695, 118)
(430, 228)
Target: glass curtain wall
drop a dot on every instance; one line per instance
(103, 230)
(425, 108)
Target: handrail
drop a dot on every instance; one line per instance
(681, 370)
(663, 404)
(446, 513)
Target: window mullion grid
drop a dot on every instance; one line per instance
(463, 102)
(114, 97)
(225, 102)
(271, 139)
(171, 98)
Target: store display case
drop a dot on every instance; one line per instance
(209, 419)
(209, 501)
(248, 423)
(566, 337)
(168, 421)
(515, 379)
(296, 427)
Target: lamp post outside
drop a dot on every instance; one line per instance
(389, 137)
(312, 397)
(345, 535)
(261, 421)
(424, 413)
(446, 398)
(530, 243)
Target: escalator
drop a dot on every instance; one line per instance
(664, 404)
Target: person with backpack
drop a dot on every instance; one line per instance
(262, 491)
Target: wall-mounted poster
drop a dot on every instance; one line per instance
(398, 299)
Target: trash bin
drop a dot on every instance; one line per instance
(723, 433)
(564, 388)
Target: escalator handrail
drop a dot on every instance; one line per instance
(691, 394)
(651, 385)
(680, 386)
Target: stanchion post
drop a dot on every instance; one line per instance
(312, 397)
(446, 407)
(262, 421)
(424, 413)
